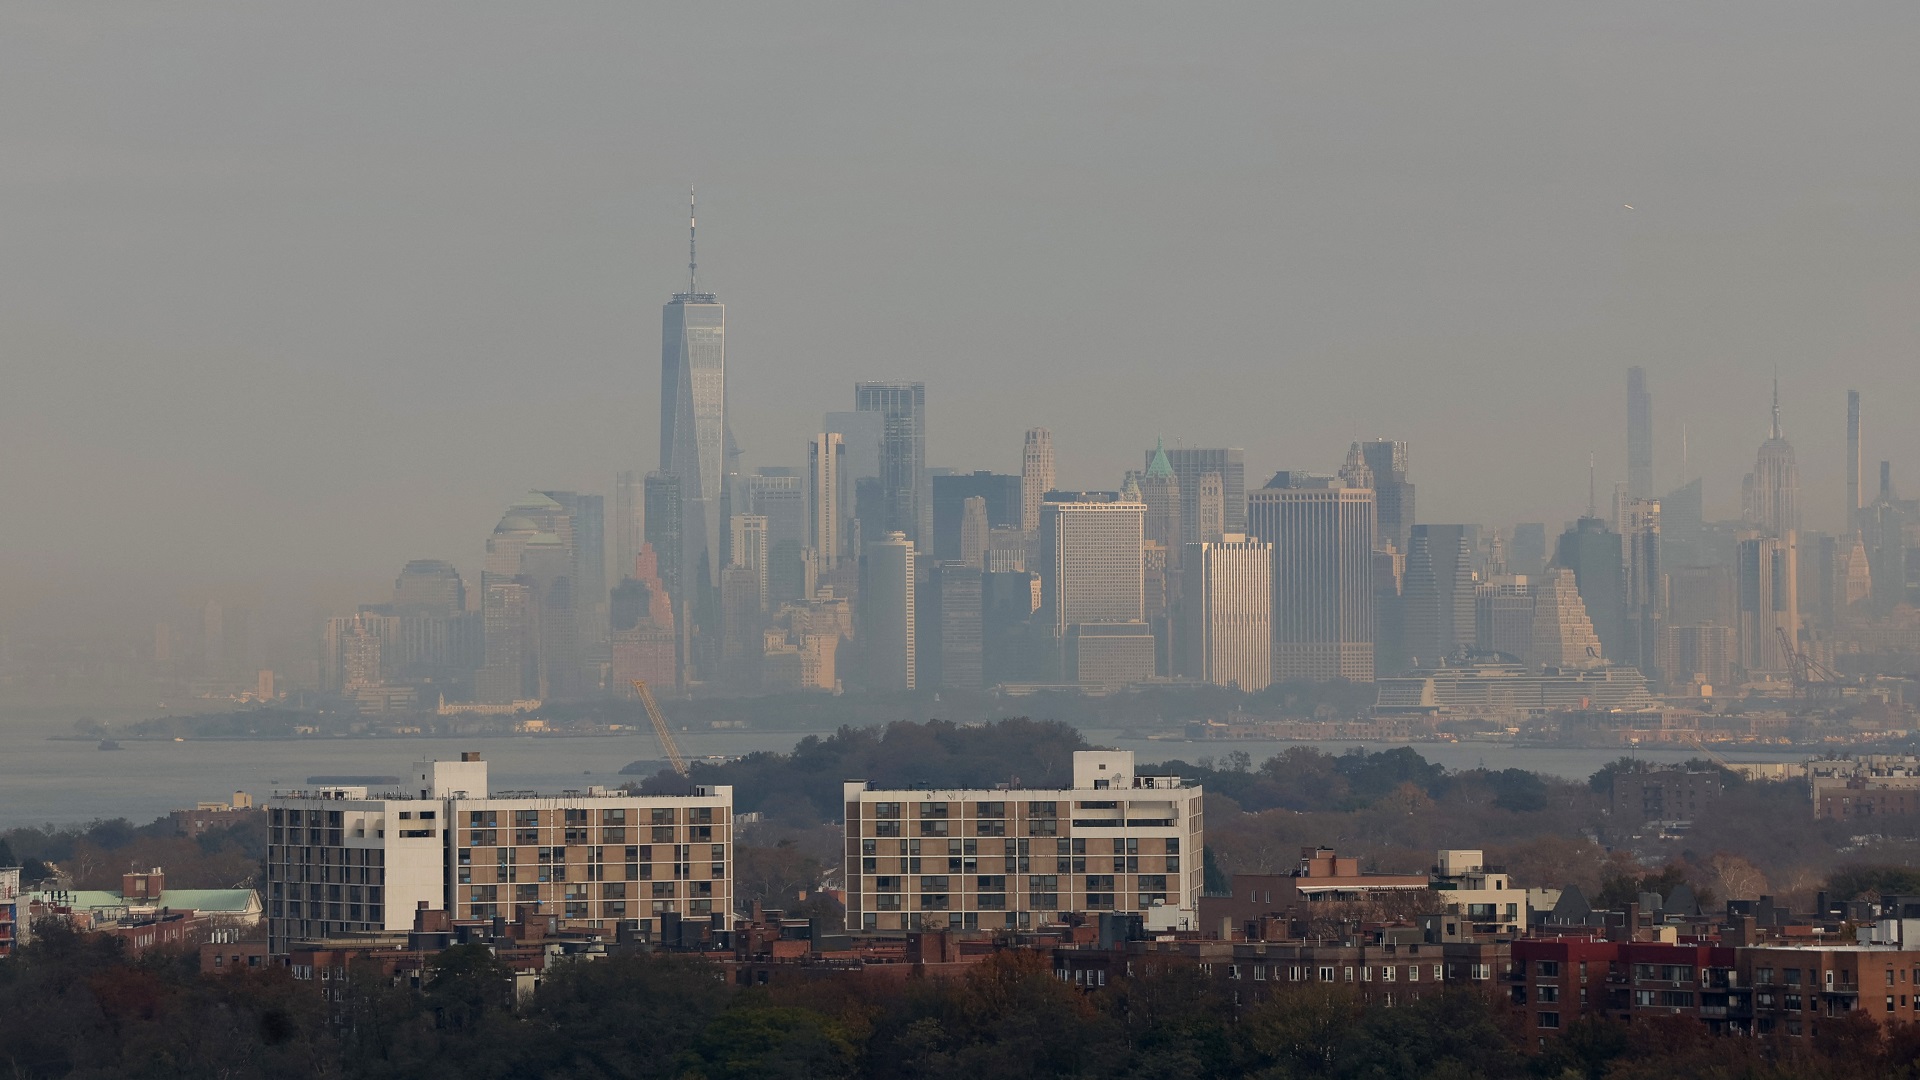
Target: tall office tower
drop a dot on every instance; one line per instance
(663, 532)
(780, 496)
(1595, 555)
(1820, 555)
(957, 627)
(1006, 549)
(1855, 585)
(1528, 552)
(586, 516)
(1160, 590)
(429, 587)
(1854, 494)
(1227, 601)
(641, 626)
(864, 434)
(1775, 482)
(1209, 522)
(905, 484)
(887, 619)
(1160, 489)
(747, 543)
(742, 630)
(1389, 608)
(531, 547)
(1189, 464)
(1356, 473)
(506, 674)
(1392, 491)
(1503, 616)
(1765, 571)
(1001, 494)
(694, 437)
(973, 532)
(1701, 596)
(1696, 656)
(1639, 435)
(1036, 477)
(629, 521)
(828, 486)
(1439, 592)
(1645, 583)
(1562, 634)
(1093, 587)
(1322, 538)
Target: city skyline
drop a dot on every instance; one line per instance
(310, 333)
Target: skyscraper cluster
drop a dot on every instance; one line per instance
(861, 565)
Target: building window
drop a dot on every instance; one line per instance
(1548, 1020)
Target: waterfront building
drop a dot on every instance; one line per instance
(1594, 553)
(1563, 637)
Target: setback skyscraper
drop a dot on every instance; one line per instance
(1595, 555)
(905, 486)
(1160, 490)
(1036, 477)
(1773, 504)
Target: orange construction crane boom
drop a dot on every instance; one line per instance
(672, 748)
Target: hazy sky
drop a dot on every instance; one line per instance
(295, 292)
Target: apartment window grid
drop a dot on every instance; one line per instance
(328, 866)
(1012, 861)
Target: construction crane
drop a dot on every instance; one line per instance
(672, 748)
(1810, 677)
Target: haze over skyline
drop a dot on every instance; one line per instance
(294, 296)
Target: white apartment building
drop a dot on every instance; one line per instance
(1481, 900)
(1116, 841)
(342, 859)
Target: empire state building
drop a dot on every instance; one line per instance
(1773, 491)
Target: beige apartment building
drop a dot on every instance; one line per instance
(1116, 841)
(342, 860)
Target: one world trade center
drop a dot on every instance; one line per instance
(694, 438)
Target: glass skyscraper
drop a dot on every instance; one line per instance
(693, 425)
(905, 486)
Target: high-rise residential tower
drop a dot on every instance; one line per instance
(1639, 435)
(1321, 532)
(1854, 494)
(694, 439)
(905, 485)
(827, 503)
(1392, 491)
(1036, 477)
(1227, 603)
(1561, 634)
(1766, 571)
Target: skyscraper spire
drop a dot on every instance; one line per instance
(1593, 497)
(1776, 403)
(693, 263)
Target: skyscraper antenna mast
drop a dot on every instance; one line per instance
(692, 225)
(1593, 498)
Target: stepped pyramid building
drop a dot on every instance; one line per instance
(1563, 636)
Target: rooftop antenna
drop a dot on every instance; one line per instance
(692, 222)
(1776, 401)
(1683, 455)
(1593, 499)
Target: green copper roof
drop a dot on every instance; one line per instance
(1159, 468)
